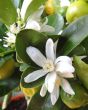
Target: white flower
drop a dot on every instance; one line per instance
(10, 39)
(15, 28)
(33, 22)
(64, 3)
(54, 69)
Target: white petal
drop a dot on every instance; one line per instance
(35, 75)
(32, 24)
(67, 87)
(64, 68)
(64, 59)
(10, 39)
(36, 56)
(55, 95)
(43, 90)
(24, 7)
(50, 81)
(50, 50)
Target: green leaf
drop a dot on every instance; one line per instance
(36, 102)
(85, 45)
(33, 6)
(57, 22)
(23, 67)
(29, 38)
(39, 103)
(48, 105)
(79, 50)
(9, 84)
(75, 33)
(2, 29)
(78, 100)
(6, 51)
(83, 108)
(81, 69)
(8, 13)
(32, 84)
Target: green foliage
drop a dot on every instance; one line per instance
(74, 34)
(78, 100)
(56, 21)
(81, 69)
(39, 103)
(8, 13)
(29, 38)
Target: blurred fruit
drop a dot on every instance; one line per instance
(7, 69)
(29, 92)
(49, 7)
(76, 10)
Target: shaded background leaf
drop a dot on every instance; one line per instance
(8, 12)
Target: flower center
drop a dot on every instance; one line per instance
(49, 66)
(14, 28)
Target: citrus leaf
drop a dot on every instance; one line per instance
(85, 45)
(78, 100)
(57, 22)
(8, 13)
(75, 33)
(39, 103)
(81, 69)
(28, 38)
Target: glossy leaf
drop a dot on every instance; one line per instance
(29, 38)
(85, 45)
(78, 100)
(36, 102)
(48, 105)
(74, 34)
(33, 6)
(8, 13)
(57, 22)
(23, 67)
(79, 50)
(2, 29)
(44, 103)
(81, 69)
